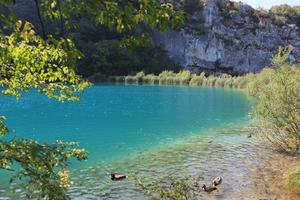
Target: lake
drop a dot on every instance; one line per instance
(118, 124)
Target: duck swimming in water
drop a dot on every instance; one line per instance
(208, 189)
(117, 177)
(217, 181)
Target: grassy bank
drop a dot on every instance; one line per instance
(184, 78)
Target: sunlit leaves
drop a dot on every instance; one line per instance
(42, 165)
(121, 16)
(28, 62)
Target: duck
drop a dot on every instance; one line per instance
(117, 177)
(209, 189)
(217, 181)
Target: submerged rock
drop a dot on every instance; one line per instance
(224, 36)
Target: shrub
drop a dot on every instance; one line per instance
(131, 79)
(197, 80)
(184, 77)
(277, 112)
(151, 79)
(139, 76)
(260, 81)
(220, 82)
(209, 81)
(166, 77)
(278, 109)
(282, 56)
(280, 20)
(286, 10)
(294, 180)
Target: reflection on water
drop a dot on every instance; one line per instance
(249, 169)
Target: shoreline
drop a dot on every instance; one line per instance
(250, 169)
(241, 161)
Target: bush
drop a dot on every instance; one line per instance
(264, 78)
(139, 76)
(280, 20)
(197, 80)
(278, 109)
(277, 112)
(220, 82)
(131, 79)
(184, 77)
(167, 77)
(286, 10)
(209, 81)
(151, 79)
(294, 180)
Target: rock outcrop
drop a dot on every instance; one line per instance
(224, 36)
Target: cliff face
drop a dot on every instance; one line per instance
(229, 37)
(220, 36)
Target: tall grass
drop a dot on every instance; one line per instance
(185, 77)
(294, 180)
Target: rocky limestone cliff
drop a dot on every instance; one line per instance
(220, 36)
(229, 37)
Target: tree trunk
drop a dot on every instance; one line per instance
(62, 29)
(40, 18)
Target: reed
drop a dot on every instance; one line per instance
(197, 80)
(185, 77)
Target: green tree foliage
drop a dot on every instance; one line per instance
(107, 57)
(286, 14)
(47, 64)
(285, 9)
(122, 16)
(26, 62)
(277, 112)
(278, 109)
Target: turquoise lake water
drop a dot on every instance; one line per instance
(114, 122)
